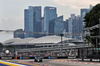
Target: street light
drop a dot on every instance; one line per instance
(99, 30)
(83, 43)
(61, 42)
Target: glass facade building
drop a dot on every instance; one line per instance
(84, 11)
(49, 14)
(56, 25)
(26, 22)
(32, 21)
(38, 21)
(66, 25)
(75, 26)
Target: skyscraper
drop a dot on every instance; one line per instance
(70, 25)
(32, 21)
(49, 14)
(56, 25)
(59, 25)
(26, 22)
(42, 20)
(84, 11)
(75, 26)
(37, 21)
(66, 26)
(65, 31)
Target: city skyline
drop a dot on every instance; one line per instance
(52, 23)
(49, 32)
(12, 12)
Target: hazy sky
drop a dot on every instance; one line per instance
(12, 11)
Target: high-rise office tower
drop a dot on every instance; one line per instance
(90, 7)
(75, 26)
(84, 11)
(65, 31)
(32, 21)
(70, 25)
(56, 25)
(26, 22)
(38, 22)
(66, 26)
(42, 20)
(49, 14)
(59, 25)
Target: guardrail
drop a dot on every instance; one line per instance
(89, 59)
(48, 57)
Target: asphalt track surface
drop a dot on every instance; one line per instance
(47, 62)
(11, 63)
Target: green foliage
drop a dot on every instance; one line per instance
(10, 46)
(92, 18)
(90, 40)
(1, 45)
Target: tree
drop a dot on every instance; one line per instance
(91, 19)
(10, 46)
(89, 39)
(1, 45)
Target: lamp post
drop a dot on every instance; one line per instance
(99, 30)
(83, 41)
(61, 42)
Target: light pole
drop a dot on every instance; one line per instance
(83, 41)
(97, 44)
(99, 30)
(83, 44)
(61, 42)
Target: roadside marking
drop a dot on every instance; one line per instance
(39, 64)
(3, 64)
(28, 63)
(11, 64)
(71, 61)
(22, 62)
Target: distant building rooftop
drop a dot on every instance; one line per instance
(42, 40)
